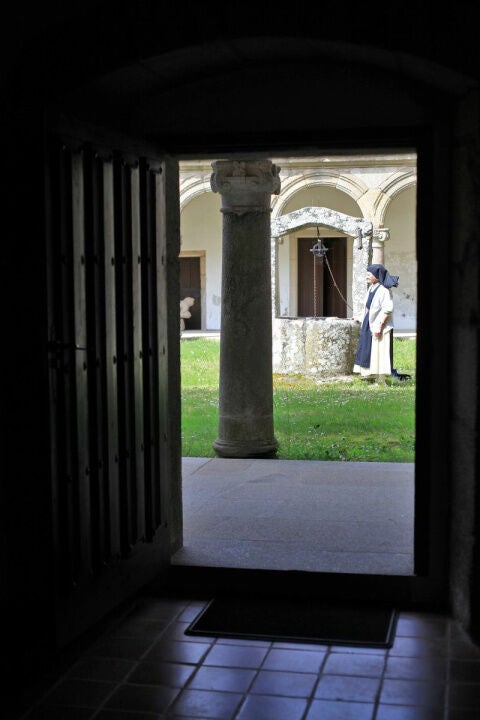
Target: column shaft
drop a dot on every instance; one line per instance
(246, 388)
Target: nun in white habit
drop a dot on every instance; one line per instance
(373, 359)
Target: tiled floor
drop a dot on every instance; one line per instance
(146, 668)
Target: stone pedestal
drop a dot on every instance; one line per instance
(246, 389)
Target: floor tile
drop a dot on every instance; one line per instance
(206, 704)
(459, 714)
(294, 660)
(421, 668)
(343, 687)
(404, 712)
(418, 647)
(177, 651)
(99, 668)
(224, 679)
(464, 650)
(161, 673)
(176, 631)
(331, 710)
(467, 671)
(142, 698)
(288, 684)
(356, 649)
(236, 656)
(192, 611)
(266, 707)
(352, 664)
(465, 696)
(159, 608)
(127, 648)
(413, 692)
(75, 692)
(60, 713)
(240, 641)
(412, 625)
(119, 715)
(141, 628)
(309, 647)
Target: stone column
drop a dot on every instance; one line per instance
(380, 235)
(246, 389)
(362, 257)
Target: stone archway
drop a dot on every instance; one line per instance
(359, 229)
(319, 345)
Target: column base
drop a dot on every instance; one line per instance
(232, 449)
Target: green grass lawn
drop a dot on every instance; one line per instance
(341, 419)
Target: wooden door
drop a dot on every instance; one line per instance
(190, 287)
(320, 281)
(310, 276)
(110, 351)
(335, 277)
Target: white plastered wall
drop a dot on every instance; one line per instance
(201, 232)
(400, 257)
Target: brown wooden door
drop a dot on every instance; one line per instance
(309, 268)
(190, 287)
(110, 350)
(335, 282)
(317, 290)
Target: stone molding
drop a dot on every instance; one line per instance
(306, 216)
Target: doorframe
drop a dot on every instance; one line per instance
(427, 587)
(203, 261)
(310, 232)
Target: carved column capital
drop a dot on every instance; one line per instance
(246, 185)
(380, 235)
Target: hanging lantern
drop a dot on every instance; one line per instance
(319, 249)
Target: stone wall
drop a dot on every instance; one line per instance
(322, 347)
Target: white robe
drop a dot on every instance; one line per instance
(380, 360)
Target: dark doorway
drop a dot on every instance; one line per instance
(190, 287)
(315, 281)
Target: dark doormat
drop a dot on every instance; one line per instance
(304, 622)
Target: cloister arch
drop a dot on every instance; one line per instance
(192, 187)
(349, 184)
(388, 190)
